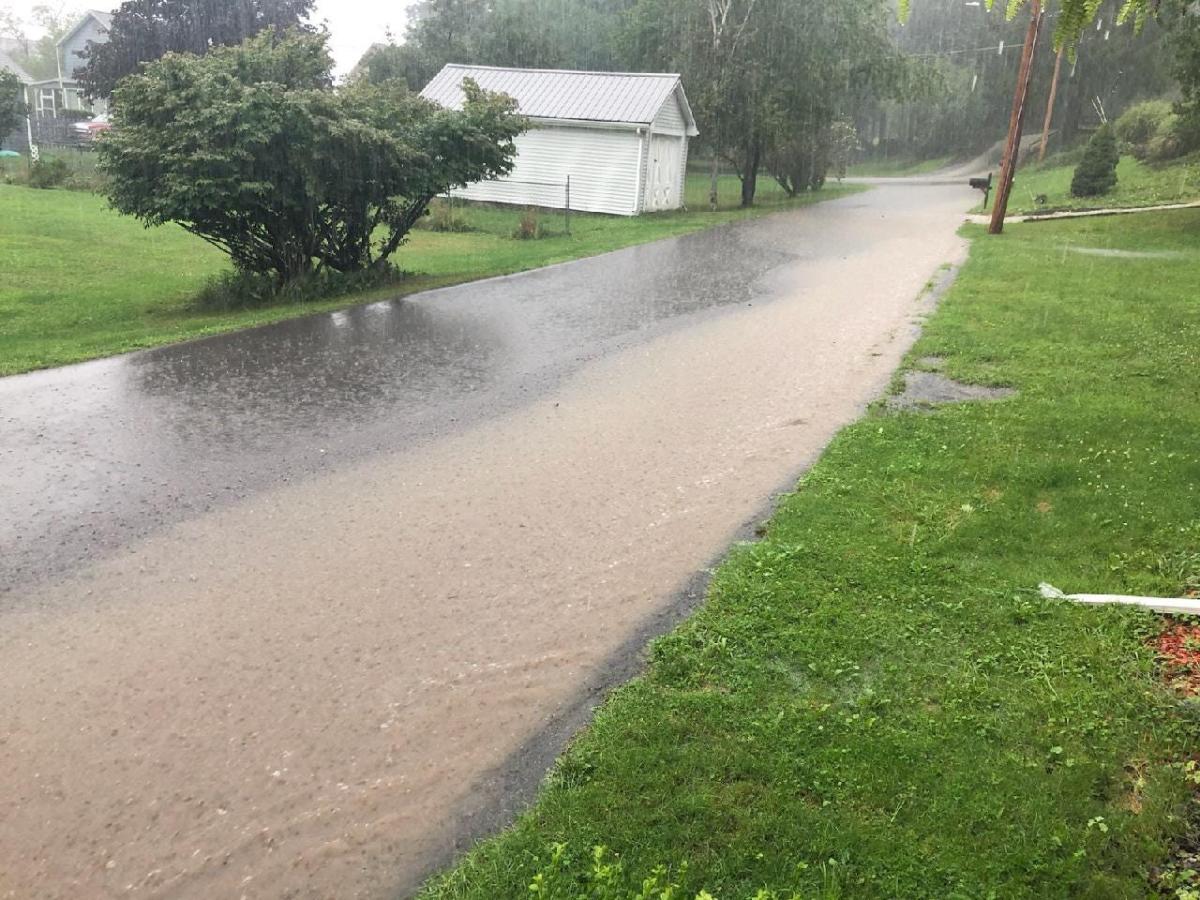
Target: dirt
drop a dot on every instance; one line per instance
(1178, 649)
(328, 688)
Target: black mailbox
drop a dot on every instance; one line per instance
(985, 185)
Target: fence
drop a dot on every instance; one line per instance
(54, 133)
(47, 134)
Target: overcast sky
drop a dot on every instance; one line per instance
(353, 24)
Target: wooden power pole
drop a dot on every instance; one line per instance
(1012, 147)
(1050, 105)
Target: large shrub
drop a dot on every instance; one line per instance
(253, 149)
(1142, 123)
(1096, 173)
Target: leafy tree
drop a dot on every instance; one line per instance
(12, 102)
(145, 30)
(1096, 173)
(804, 160)
(571, 34)
(843, 144)
(832, 61)
(252, 149)
(1143, 125)
(438, 32)
(1184, 28)
(767, 78)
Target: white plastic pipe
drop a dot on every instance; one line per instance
(1189, 606)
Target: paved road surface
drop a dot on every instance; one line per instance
(295, 612)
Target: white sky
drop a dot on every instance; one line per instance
(353, 24)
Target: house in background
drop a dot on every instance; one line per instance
(51, 97)
(620, 138)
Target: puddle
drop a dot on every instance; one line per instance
(925, 389)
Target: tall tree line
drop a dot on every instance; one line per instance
(968, 57)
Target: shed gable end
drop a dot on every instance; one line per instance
(670, 118)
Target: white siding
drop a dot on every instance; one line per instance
(683, 175)
(70, 49)
(603, 164)
(643, 171)
(670, 117)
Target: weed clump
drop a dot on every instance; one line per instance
(48, 173)
(443, 218)
(529, 226)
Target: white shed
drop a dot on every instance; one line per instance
(620, 138)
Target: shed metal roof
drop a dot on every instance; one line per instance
(626, 97)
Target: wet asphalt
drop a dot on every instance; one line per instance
(96, 455)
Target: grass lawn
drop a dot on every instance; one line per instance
(898, 168)
(1138, 184)
(82, 281)
(874, 701)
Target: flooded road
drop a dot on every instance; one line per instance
(101, 453)
(284, 612)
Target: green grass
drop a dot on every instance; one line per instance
(1138, 184)
(82, 281)
(898, 168)
(874, 701)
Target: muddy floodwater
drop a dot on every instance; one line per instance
(299, 611)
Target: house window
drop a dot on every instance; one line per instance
(48, 101)
(75, 100)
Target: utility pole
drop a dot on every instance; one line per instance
(1050, 105)
(1012, 147)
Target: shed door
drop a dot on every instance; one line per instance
(664, 169)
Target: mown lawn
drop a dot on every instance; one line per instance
(82, 281)
(1138, 184)
(874, 701)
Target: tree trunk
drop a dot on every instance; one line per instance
(750, 176)
(293, 267)
(713, 193)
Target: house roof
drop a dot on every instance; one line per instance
(625, 97)
(7, 62)
(102, 18)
